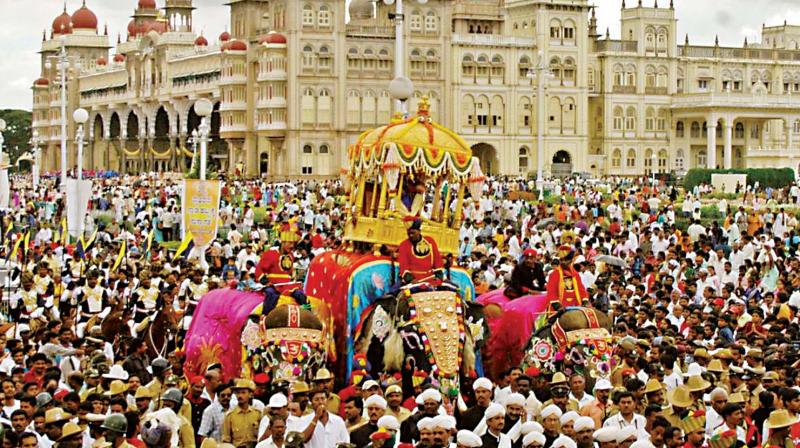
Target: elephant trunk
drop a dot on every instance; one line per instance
(393, 352)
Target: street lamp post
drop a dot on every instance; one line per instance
(61, 61)
(653, 169)
(542, 74)
(399, 44)
(35, 167)
(203, 108)
(80, 116)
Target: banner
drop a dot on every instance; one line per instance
(201, 210)
(78, 194)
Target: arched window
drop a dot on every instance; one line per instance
(308, 149)
(739, 130)
(324, 108)
(662, 77)
(369, 108)
(661, 120)
(431, 22)
(524, 66)
(482, 110)
(650, 38)
(324, 149)
(468, 112)
(497, 68)
(353, 59)
(353, 108)
(679, 160)
(679, 131)
(324, 17)
(308, 105)
(555, 68)
(619, 75)
(555, 29)
(616, 158)
(569, 71)
(650, 76)
(483, 66)
(663, 160)
(630, 119)
(415, 23)
(497, 112)
(649, 120)
(308, 16)
(568, 32)
(523, 160)
(695, 130)
(526, 115)
(630, 75)
(661, 40)
(631, 159)
(618, 118)
(702, 158)
(468, 66)
(308, 57)
(648, 160)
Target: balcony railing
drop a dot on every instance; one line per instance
(732, 99)
(617, 46)
(697, 51)
(624, 89)
(655, 90)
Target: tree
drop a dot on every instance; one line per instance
(18, 132)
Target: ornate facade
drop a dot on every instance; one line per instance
(294, 84)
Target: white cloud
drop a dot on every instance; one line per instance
(22, 31)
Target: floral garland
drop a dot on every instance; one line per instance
(435, 371)
(594, 354)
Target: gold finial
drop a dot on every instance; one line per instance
(423, 107)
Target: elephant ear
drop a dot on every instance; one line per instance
(363, 335)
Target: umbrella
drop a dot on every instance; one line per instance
(544, 223)
(612, 260)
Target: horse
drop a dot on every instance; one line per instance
(115, 326)
(161, 334)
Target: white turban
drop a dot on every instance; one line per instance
(375, 400)
(494, 410)
(534, 437)
(425, 424)
(389, 422)
(468, 439)
(569, 417)
(642, 444)
(563, 442)
(551, 410)
(482, 383)
(625, 433)
(444, 421)
(515, 399)
(583, 423)
(529, 427)
(605, 435)
(430, 394)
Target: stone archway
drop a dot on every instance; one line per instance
(487, 154)
(562, 164)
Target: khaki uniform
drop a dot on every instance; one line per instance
(774, 442)
(754, 401)
(572, 405)
(157, 389)
(186, 433)
(400, 415)
(742, 389)
(616, 374)
(240, 427)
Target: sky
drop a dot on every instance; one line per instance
(732, 20)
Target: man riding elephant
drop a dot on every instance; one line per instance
(527, 277)
(275, 270)
(418, 256)
(564, 285)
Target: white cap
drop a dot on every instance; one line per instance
(446, 422)
(278, 400)
(117, 372)
(582, 424)
(482, 383)
(551, 410)
(534, 437)
(603, 384)
(642, 444)
(425, 424)
(563, 442)
(569, 417)
(515, 399)
(375, 400)
(625, 433)
(389, 422)
(494, 410)
(430, 394)
(693, 369)
(605, 435)
(369, 384)
(468, 439)
(529, 427)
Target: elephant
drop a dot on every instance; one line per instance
(575, 339)
(430, 331)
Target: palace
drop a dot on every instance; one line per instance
(294, 83)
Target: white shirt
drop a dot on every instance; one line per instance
(267, 443)
(638, 421)
(586, 399)
(324, 436)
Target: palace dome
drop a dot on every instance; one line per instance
(238, 45)
(84, 19)
(201, 41)
(273, 38)
(225, 36)
(62, 24)
(147, 4)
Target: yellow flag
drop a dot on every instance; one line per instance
(88, 244)
(64, 232)
(150, 241)
(187, 241)
(122, 250)
(16, 248)
(26, 243)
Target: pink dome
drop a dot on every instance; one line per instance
(42, 82)
(201, 41)
(147, 4)
(237, 45)
(273, 38)
(101, 61)
(119, 58)
(225, 36)
(62, 24)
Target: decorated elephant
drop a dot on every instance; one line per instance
(432, 331)
(229, 329)
(574, 339)
(287, 342)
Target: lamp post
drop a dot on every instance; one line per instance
(542, 74)
(203, 108)
(193, 140)
(60, 64)
(399, 42)
(401, 89)
(80, 116)
(653, 168)
(35, 167)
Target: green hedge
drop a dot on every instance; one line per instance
(766, 177)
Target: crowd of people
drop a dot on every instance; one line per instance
(704, 321)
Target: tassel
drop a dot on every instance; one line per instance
(393, 352)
